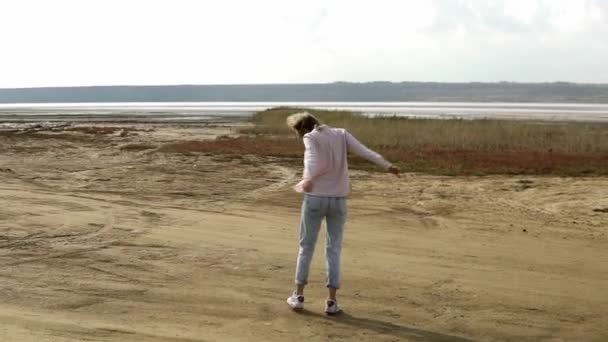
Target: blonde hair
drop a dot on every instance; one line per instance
(302, 122)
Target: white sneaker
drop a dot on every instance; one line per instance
(296, 302)
(331, 307)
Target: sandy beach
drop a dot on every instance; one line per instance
(105, 238)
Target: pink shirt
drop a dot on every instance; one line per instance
(325, 160)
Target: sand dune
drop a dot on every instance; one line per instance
(100, 241)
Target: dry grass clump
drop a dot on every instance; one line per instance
(479, 135)
(449, 147)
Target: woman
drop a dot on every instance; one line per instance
(326, 185)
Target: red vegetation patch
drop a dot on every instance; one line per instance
(279, 147)
(428, 160)
(137, 147)
(446, 161)
(96, 129)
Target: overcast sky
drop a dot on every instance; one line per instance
(110, 42)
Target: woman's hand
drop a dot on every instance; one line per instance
(305, 185)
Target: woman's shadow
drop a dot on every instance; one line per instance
(411, 334)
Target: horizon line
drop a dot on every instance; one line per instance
(302, 83)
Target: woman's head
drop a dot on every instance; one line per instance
(302, 123)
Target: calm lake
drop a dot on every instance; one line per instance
(210, 111)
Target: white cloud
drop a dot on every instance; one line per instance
(524, 11)
(74, 42)
(568, 15)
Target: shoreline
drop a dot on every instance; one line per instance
(549, 112)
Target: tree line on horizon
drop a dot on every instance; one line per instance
(324, 92)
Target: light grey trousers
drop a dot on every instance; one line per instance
(314, 209)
